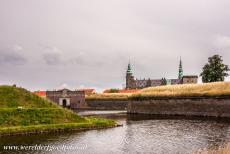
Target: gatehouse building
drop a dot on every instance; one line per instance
(67, 98)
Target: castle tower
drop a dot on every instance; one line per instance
(129, 78)
(180, 74)
(129, 70)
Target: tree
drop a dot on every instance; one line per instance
(113, 90)
(214, 70)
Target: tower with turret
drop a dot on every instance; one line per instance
(130, 82)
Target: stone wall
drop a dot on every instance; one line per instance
(107, 104)
(217, 107)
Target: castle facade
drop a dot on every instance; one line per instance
(132, 83)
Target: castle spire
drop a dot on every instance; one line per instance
(129, 70)
(180, 75)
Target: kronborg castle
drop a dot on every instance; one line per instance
(132, 83)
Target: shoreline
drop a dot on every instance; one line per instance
(55, 128)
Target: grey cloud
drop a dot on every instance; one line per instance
(12, 56)
(52, 58)
(96, 39)
(58, 57)
(52, 55)
(79, 59)
(55, 56)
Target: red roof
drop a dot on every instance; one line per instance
(40, 93)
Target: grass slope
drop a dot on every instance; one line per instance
(12, 97)
(214, 89)
(22, 111)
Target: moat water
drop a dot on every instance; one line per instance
(139, 134)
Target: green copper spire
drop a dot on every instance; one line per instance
(180, 75)
(129, 70)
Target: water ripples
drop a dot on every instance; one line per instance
(139, 135)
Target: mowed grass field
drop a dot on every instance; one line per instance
(214, 89)
(21, 111)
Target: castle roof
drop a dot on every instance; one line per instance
(129, 70)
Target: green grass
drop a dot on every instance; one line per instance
(90, 123)
(24, 117)
(214, 89)
(12, 97)
(21, 112)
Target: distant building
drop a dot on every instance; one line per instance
(189, 79)
(88, 92)
(67, 98)
(132, 83)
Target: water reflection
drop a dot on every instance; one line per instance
(139, 134)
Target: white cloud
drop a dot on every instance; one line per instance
(222, 41)
(16, 47)
(64, 85)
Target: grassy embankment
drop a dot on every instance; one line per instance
(214, 89)
(24, 112)
(171, 91)
(109, 96)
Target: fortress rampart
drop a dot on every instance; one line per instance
(194, 106)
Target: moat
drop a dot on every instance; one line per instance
(139, 134)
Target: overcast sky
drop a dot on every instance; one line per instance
(50, 44)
